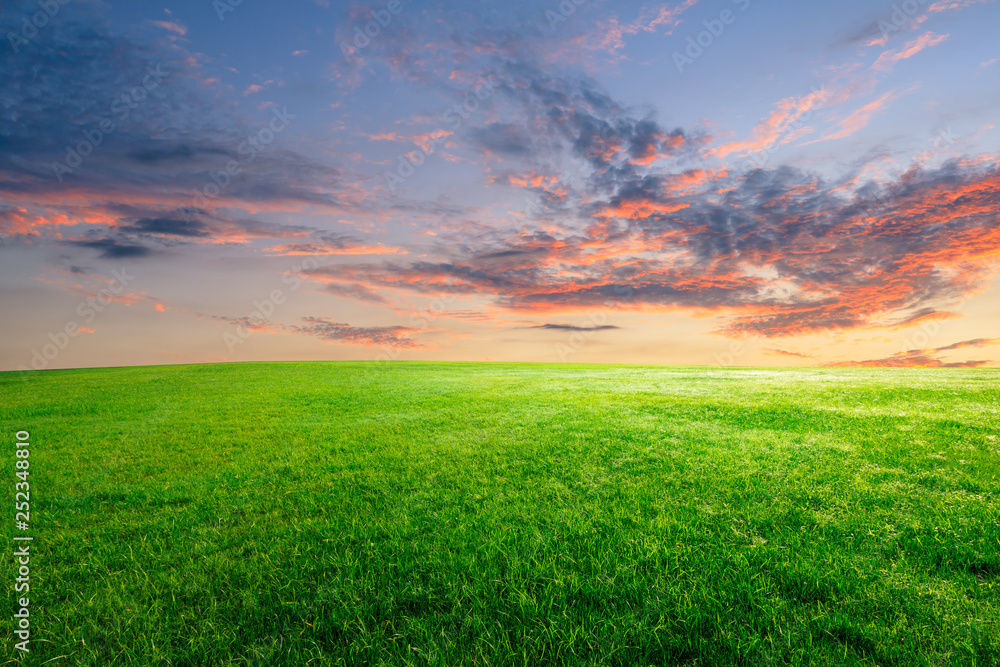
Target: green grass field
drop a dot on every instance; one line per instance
(507, 514)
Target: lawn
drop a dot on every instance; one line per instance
(507, 514)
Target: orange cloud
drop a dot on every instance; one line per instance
(531, 180)
(21, 221)
(928, 358)
(692, 180)
(912, 360)
(430, 138)
(774, 352)
(641, 209)
(768, 131)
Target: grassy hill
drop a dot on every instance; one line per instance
(508, 514)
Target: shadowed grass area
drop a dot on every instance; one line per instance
(509, 514)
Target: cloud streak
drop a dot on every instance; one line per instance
(571, 327)
(888, 59)
(337, 332)
(927, 358)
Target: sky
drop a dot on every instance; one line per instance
(702, 182)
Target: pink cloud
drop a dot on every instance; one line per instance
(947, 5)
(171, 26)
(859, 119)
(888, 59)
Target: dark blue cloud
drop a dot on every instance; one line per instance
(571, 327)
(168, 227)
(114, 249)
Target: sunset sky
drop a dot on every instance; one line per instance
(704, 182)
